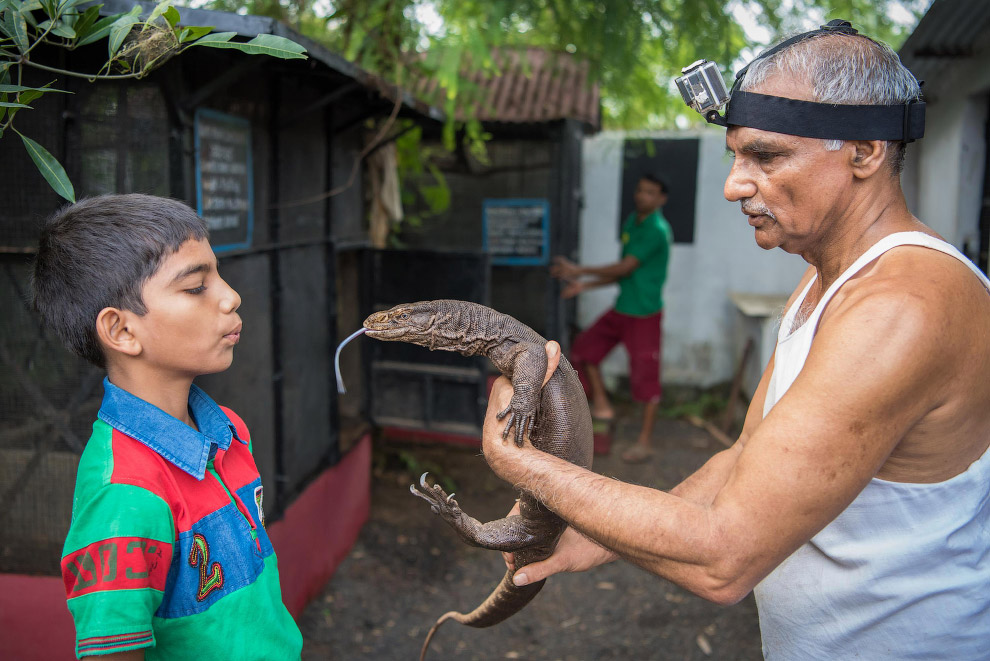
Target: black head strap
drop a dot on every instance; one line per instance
(829, 121)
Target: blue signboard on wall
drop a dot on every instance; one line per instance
(516, 232)
(224, 178)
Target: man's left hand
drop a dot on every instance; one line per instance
(498, 450)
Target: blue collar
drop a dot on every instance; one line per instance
(174, 440)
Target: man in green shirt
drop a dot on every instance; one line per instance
(636, 319)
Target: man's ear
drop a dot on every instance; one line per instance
(115, 333)
(868, 156)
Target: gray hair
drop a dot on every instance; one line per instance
(844, 70)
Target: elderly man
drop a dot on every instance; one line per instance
(856, 501)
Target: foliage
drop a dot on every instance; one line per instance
(135, 47)
(635, 47)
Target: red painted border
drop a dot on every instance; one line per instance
(424, 436)
(320, 527)
(311, 540)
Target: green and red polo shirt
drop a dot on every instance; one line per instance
(167, 548)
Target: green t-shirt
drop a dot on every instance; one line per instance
(649, 241)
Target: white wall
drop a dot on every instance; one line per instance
(701, 325)
(949, 161)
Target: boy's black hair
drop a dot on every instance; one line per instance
(654, 178)
(98, 253)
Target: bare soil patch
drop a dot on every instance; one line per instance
(408, 568)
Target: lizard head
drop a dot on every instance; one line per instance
(407, 322)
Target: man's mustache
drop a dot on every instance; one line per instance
(756, 209)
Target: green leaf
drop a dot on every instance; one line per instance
(216, 38)
(66, 5)
(16, 28)
(119, 31)
(263, 44)
(63, 30)
(194, 32)
(84, 24)
(50, 168)
(172, 16)
(11, 104)
(99, 30)
(275, 46)
(29, 96)
(156, 12)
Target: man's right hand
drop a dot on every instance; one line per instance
(565, 269)
(574, 553)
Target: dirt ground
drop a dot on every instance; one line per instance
(408, 567)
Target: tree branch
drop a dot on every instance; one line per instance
(76, 74)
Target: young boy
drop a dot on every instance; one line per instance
(167, 555)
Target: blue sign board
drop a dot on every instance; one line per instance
(516, 232)
(224, 178)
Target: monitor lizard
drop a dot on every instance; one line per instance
(556, 417)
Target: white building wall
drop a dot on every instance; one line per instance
(949, 161)
(702, 328)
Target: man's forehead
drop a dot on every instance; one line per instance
(744, 138)
(786, 85)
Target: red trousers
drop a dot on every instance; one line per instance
(642, 337)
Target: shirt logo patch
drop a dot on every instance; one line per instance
(199, 556)
(119, 563)
(259, 496)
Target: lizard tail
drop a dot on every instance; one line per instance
(506, 600)
(426, 643)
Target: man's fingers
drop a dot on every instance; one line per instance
(553, 359)
(537, 571)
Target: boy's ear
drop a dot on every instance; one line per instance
(112, 327)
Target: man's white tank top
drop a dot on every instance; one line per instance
(904, 571)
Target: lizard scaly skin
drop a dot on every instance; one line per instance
(557, 418)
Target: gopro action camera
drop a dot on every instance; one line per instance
(702, 87)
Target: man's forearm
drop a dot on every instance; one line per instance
(609, 272)
(598, 281)
(668, 535)
(703, 485)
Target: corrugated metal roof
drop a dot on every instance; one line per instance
(949, 32)
(531, 86)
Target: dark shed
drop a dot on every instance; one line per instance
(254, 144)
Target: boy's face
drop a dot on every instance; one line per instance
(192, 324)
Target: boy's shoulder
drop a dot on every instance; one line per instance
(111, 457)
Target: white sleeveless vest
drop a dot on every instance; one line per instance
(904, 571)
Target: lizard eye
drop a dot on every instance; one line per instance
(404, 315)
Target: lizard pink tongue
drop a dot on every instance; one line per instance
(336, 359)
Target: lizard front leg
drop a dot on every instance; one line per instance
(529, 366)
(509, 534)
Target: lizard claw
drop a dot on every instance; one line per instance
(440, 503)
(504, 412)
(524, 424)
